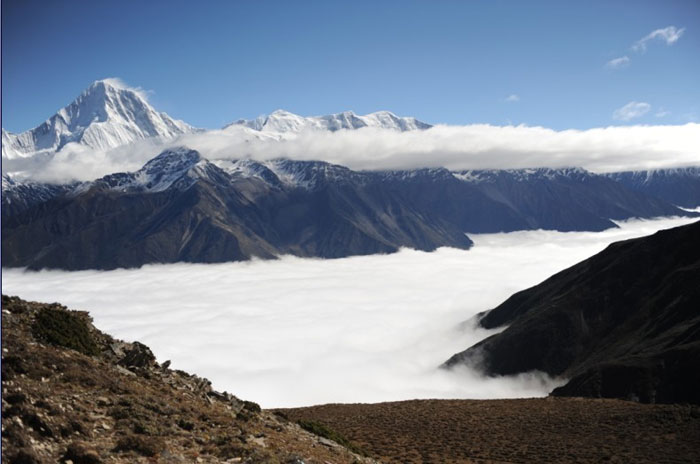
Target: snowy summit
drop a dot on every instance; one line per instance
(284, 122)
(108, 114)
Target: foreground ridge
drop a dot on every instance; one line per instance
(73, 393)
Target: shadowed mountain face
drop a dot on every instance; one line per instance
(182, 207)
(680, 186)
(563, 199)
(623, 324)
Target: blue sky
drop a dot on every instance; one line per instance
(444, 62)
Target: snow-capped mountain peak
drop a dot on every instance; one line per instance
(106, 115)
(177, 168)
(170, 163)
(282, 121)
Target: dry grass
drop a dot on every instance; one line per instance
(524, 430)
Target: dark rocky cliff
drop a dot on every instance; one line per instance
(623, 324)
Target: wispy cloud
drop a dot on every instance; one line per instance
(120, 84)
(669, 34)
(512, 98)
(662, 113)
(618, 63)
(631, 111)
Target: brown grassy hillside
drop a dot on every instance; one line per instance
(522, 430)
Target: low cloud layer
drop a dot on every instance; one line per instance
(474, 147)
(296, 332)
(479, 146)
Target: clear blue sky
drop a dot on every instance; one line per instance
(454, 62)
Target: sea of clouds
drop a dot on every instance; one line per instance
(295, 332)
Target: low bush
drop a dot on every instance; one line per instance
(324, 431)
(66, 329)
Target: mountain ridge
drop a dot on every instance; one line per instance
(285, 122)
(621, 324)
(182, 207)
(680, 186)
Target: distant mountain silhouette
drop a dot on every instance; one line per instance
(680, 186)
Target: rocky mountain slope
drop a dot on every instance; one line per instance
(18, 197)
(566, 199)
(71, 393)
(183, 207)
(680, 186)
(622, 324)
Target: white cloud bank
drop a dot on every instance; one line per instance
(297, 332)
(478, 146)
(669, 34)
(632, 110)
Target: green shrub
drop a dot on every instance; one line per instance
(251, 406)
(185, 424)
(66, 329)
(324, 431)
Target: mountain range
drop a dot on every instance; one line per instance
(108, 115)
(621, 324)
(182, 206)
(283, 121)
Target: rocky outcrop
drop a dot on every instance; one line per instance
(64, 402)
